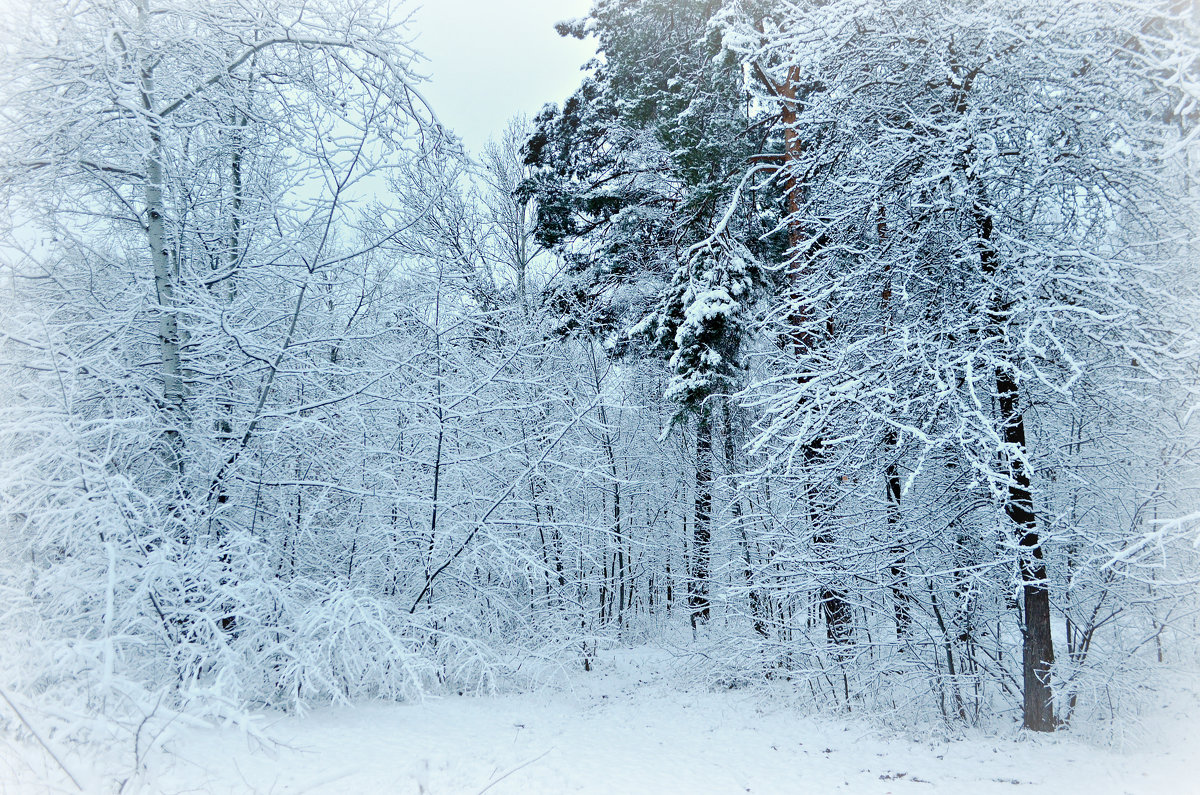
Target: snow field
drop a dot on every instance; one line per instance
(622, 729)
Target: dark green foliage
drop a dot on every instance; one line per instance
(632, 174)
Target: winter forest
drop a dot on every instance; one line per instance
(838, 354)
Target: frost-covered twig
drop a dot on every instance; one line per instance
(21, 717)
(500, 778)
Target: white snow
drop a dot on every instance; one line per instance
(623, 729)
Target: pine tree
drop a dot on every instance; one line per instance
(632, 177)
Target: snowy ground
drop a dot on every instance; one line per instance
(621, 732)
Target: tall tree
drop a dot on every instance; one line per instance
(632, 176)
(1003, 171)
(188, 191)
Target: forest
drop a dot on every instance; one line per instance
(847, 349)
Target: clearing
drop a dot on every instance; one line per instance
(623, 729)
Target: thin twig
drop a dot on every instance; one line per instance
(46, 745)
(496, 781)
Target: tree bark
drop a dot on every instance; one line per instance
(754, 594)
(165, 277)
(698, 602)
(834, 607)
(899, 584)
(1037, 640)
(1038, 646)
(892, 486)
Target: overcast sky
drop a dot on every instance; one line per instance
(492, 59)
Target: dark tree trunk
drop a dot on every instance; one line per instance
(892, 489)
(834, 607)
(899, 580)
(1038, 646)
(754, 595)
(1037, 641)
(604, 575)
(670, 586)
(698, 603)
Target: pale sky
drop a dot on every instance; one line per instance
(492, 59)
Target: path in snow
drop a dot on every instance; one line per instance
(614, 736)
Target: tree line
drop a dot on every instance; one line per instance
(848, 345)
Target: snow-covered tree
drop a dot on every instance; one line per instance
(989, 231)
(632, 177)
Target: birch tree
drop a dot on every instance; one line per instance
(189, 252)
